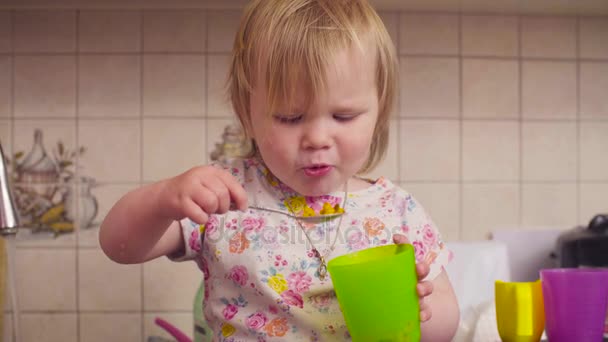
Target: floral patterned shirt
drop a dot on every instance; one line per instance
(261, 277)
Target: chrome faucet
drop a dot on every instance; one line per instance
(9, 219)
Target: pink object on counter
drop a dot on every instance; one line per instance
(171, 329)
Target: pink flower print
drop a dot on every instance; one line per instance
(232, 224)
(256, 321)
(270, 238)
(194, 241)
(230, 311)
(429, 236)
(279, 261)
(299, 281)
(321, 301)
(357, 240)
(212, 225)
(293, 299)
(405, 228)
(239, 275)
(203, 266)
(400, 205)
(207, 291)
(273, 309)
(253, 224)
(420, 250)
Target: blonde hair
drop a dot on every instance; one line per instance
(280, 41)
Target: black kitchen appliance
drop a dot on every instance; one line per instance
(584, 246)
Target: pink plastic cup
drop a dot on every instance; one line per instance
(575, 303)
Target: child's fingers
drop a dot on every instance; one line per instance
(222, 193)
(425, 311)
(206, 199)
(424, 288)
(195, 213)
(238, 195)
(422, 270)
(400, 239)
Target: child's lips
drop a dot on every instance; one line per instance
(317, 170)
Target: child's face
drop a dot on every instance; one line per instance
(316, 150)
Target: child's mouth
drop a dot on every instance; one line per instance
(317, 170)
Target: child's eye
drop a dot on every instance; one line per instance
(344, 117)
(288, 119)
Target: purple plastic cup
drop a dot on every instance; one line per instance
(575, 303)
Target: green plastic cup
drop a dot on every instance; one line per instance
(376, 289)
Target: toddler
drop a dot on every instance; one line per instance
(313, 83)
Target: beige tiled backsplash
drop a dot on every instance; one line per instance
(502, 121)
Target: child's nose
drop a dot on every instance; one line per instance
(316, 136)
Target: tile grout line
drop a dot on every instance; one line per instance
(206, 83)
(76, 171)
(15, 315)
(520, 126)
(578, 119)
(141, 155)
(400, 134)
(461, 227)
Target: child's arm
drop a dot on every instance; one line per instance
(143, 224)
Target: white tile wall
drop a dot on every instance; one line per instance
(6, 66)
(490, 151)
(49, 327)
(218, 99)
(6, 23)
(111, 160)
(550, 205)
(549, 90)
(538, 37)
(435, 34)
(44, 31)
(432, 152)
(173, 85)
(118, 327)
(430, 87)
(549, 151)
(51, 80)
(501, 122)
(40, 284)
(489, 206)
(499, 36)
(593, 145)
(125, 292)
(171, 147)
(592, 39)
(109, 31)
(109, 86)
(169, 286)
(593, 85)
(490, 88)
(174, 31)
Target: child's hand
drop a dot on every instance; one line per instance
(424, 288)
(201, 191)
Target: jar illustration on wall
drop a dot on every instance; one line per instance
(86, 209)
(37, 183)
(45, 188)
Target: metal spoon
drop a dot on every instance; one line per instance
(320, 217)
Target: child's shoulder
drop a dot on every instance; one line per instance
(382, 187)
